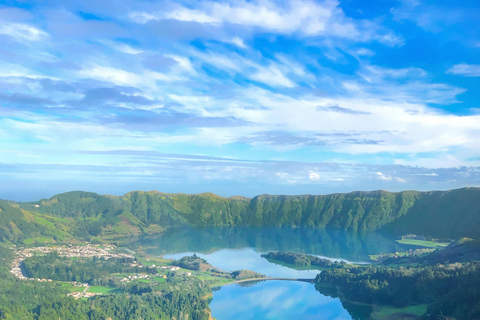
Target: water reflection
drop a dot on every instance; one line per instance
(329, 243)
(248, 258)
(275, 300)
(232, 249)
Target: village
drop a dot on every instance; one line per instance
(81, 251)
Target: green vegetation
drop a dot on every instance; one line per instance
(89, 216)
(457, 252)
(18, 226)
(193, 263)
(86, 270)
(447, 280)
(100, 289)
(302, 260)
(386, 312)
(399, 255)
(177, 297)
(424, 243)
(196, 263)
(246, 274)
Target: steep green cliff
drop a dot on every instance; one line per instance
(454, 213)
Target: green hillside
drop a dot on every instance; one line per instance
(21, 226)
(454, 213)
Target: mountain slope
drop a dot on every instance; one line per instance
(454, 213)
(21, 226)
(451, 213)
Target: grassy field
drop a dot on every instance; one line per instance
(424, 243)
(144, 280)
(45, 222)
(385, 313)
(40, 240)
(100, 289)
(70, 287)
(154, 260)
(212, 280)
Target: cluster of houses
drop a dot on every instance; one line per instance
(145, 276)
(85, 251)
(171, 268)
(134, 277)
(82, 294)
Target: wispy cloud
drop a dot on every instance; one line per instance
(22, 31)
(336, 108)
(306, 96)
(307, 18)
(467, 70)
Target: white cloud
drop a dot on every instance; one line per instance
(122, 47)
(114, 75)
(381, 176)
(384, 177)
(384, 83)
(383, 125)
(238, 42)
(379, 73)
(365, 52)
(312, 175)
(22, 31)
(467, 70)
(142, 17)
(272, 76)
(305, 17)
(183, 62)
(184, 14)
(151, 76)
(227, 63)
(439, 161)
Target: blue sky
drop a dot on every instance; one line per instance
(238, 97)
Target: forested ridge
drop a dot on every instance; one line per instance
(454, 213)
(447, 280)
(450, 289)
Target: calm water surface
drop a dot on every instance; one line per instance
(233, 249)
(275, 300)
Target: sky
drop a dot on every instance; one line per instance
(238, 97)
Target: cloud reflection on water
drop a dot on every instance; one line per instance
(275, 300)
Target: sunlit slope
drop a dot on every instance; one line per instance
(454, 213)
(20, 226)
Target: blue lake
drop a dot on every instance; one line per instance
(233, 249)
(275, 300)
